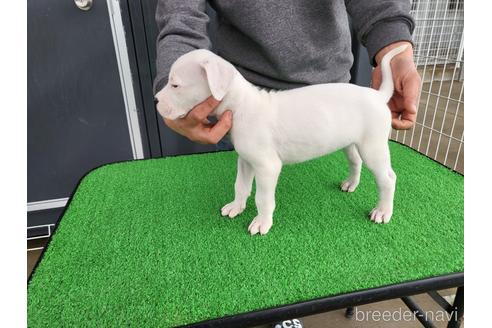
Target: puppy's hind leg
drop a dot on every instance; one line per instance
(242, 188)
(376, 155)
(355, 166)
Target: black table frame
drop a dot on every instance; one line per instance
(402, 290)
(349, 300)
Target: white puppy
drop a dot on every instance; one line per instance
(273, 128)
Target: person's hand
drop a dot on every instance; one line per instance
(403, 104)
(196, 127)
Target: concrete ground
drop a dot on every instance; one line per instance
(337, 318)
(440, 121)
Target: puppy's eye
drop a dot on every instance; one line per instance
(174, 86)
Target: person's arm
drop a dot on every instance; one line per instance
(379, 23)
(182, 28)
(382, 25)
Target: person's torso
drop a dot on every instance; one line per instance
(285, 44)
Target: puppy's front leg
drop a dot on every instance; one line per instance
(266, 182)
(242, 189)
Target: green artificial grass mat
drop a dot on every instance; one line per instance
(143, 244)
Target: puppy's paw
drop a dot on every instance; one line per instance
(233, 209)
(260, 225)
(381, 214)
(349, 185)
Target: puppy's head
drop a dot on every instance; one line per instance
(193, 78)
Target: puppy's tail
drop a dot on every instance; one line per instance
(387, 87)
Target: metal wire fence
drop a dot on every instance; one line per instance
(439, 56)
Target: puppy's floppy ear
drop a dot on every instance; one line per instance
(219, 76)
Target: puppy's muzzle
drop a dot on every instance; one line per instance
(166, 110)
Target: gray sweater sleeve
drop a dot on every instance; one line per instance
(182, 28)
(379, 23)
